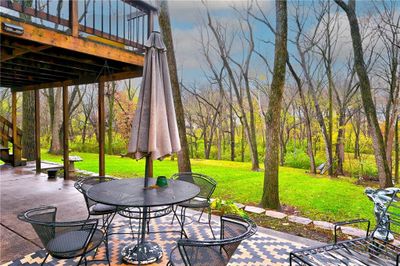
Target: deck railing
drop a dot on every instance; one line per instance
(123, 23)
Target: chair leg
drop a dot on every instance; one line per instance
(107, 252)
(45, 258)
(209, 222)
(174, 209)
(81, 258)
(201, 214)
(183, 216)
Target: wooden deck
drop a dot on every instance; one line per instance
(44, 48)
(51, 43)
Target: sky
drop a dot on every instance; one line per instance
(188, 21)
(187, 18)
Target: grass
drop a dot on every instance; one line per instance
(316, 197)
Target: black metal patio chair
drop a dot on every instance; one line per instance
(216, 252)
(376, 248)
(202, 201)
(64, 240)
(107, 212)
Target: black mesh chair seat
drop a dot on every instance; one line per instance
(69, 244)
(215, 252)
(195, 203)
(64, 240)
(100, 209)
(200, 257)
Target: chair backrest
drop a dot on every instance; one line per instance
(43, 221)
(83, 184)
(388, 226)
(234, 230)
(207, 184)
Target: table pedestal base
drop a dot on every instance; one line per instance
(143, 253)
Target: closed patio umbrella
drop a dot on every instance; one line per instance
(154, 133)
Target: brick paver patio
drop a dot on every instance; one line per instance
(22, 189)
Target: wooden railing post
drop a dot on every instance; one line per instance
(102, 168)
(65, 131)
(73, 18)
(37, 131)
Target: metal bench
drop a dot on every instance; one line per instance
(376, 248)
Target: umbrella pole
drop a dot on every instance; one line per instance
(148, 170)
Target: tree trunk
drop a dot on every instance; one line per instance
(55, 146)
(205, 140)
(28, 125)
(385, 177)
(306, 118)
(219, 143)
(396, 152)
(111, 101)
(242, 145)
(340, 143)
(270, 197)
(165, 26)
(50, 100)
(85, 122)
(232, 126)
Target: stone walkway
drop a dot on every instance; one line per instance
(22, 189)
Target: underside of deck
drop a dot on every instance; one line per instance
(45, 58)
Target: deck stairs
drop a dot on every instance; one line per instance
(10, 144)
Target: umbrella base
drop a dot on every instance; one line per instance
(143, 253)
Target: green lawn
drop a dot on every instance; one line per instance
(316, 197)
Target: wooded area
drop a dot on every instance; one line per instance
(337, 107)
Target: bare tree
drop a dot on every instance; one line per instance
(388, 27)
(385, 177)
(239, 80)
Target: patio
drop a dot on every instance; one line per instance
(22, 189)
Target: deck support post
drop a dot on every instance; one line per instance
(37, 131)
(101, 118)
(16, 150)
(65, 131)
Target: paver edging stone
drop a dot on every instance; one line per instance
(299, 220)
(348, 230)
(254, 209)
(324, 225)
(275, 214)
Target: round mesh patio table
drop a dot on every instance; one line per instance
(125, 193)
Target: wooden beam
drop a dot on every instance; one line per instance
(101, 117)
(104, 78)
(17, 51)
(37, 69)
(61, 40)
(37, 131)
(73, 18)
(65, 131)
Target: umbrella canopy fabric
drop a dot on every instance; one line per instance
(154, 130)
